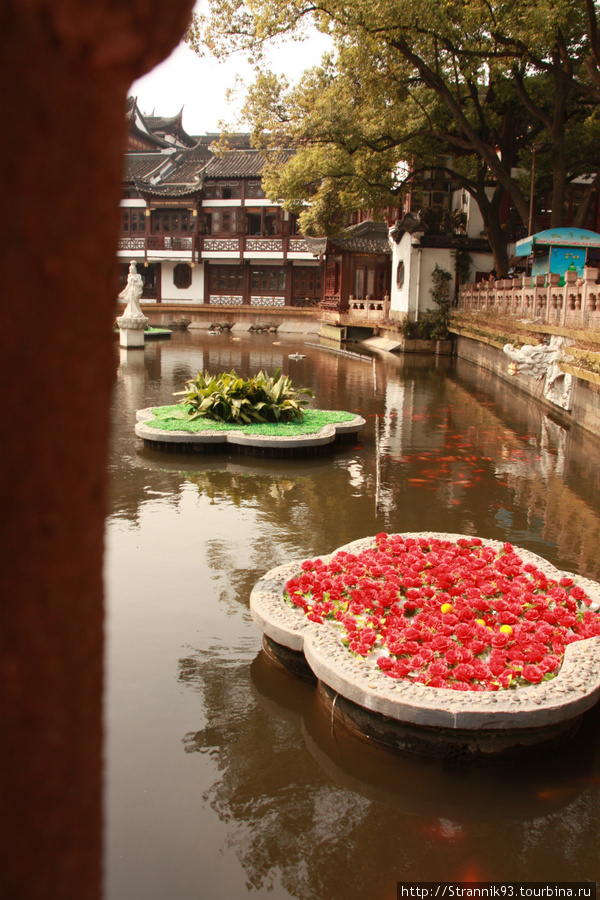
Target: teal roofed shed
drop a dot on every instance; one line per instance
(557, 250)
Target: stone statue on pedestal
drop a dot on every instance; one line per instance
(133, 321)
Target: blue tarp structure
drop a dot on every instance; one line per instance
(559, 249)
(558, 237)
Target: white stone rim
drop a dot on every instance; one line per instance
(575, 689)
(325, 436)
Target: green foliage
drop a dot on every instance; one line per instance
(440, 292)
(432, 325)
(470, 88)
(463, 266)
(229, 398)
(174, 418)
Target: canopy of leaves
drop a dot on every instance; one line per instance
(480, 87)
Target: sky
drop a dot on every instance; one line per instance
(200, 84)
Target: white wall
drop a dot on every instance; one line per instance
(400, 298)
(170, 293)
(413, 298)
(432, 256)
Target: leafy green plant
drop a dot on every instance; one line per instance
(440, 292)
(229, 398)
(432, 325)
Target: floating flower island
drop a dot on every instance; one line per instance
(170, 428)
(438, 643)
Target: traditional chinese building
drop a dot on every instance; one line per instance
(200, 227)
(357, 266)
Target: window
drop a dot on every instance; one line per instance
(332, 278)
(268, 279)
(133, 221)
(271, 221)
(307, 281)
(223, 221)
(172, 221)
(400, 274)
(370, 282)
(222, 190)
(359, 284)
(254, 190)
(253, 223)
(226, 279)
(182, 276)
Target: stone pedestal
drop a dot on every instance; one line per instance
(131, 331)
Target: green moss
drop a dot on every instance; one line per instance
(175, 418)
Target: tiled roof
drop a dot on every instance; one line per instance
(156, 123)
(235, 164)
(190, 165)
(168, 190)
(235, 141)
(161, 125)
(366, 237)
(238, 164)
(141, 165)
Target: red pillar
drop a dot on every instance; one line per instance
(65, 67)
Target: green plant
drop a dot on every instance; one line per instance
(440, 292)
(464, 262)
(432, 325)
(229, 398)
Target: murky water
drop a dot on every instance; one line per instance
(223, 777)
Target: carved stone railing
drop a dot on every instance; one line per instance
(575, 304)
(370, 310)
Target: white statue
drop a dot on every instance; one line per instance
(530, 359)
(133, 321)
(132, 293)
(540, 362)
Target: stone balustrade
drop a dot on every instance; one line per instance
(575, 304)
(371, 310)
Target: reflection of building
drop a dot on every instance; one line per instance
(201, 227)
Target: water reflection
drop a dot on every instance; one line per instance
(335, 816)
(267, 799)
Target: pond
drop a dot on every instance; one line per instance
(224, 776)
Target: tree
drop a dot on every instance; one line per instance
(491, 85)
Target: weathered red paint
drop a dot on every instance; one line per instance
(65, 67)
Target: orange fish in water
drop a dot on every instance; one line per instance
(471, 874)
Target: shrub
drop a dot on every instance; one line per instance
(229, 398)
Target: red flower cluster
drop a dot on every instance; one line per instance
(451, 615)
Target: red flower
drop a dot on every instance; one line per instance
(464, 672)
(385, 662)
(534, 674)
(362, 595)
(500, 639)
(438, 669)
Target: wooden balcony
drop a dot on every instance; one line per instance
(200, 244)
(245, 245)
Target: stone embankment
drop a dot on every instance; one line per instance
(482, 335)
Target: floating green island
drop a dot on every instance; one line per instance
(171, 428)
